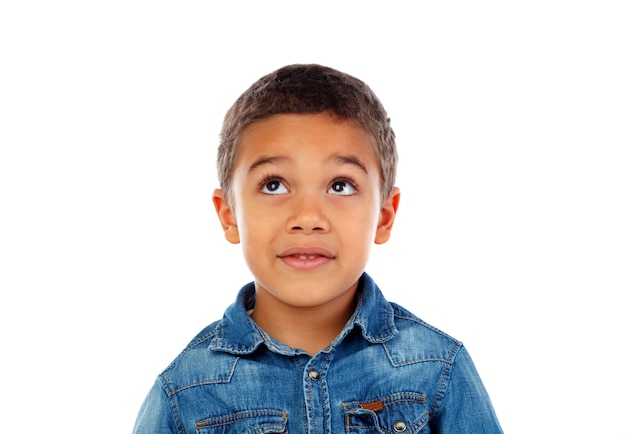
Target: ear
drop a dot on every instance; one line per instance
(388, 213)
(226, 215)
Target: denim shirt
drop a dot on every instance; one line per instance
(386, 372)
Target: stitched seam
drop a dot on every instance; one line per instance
(323, 388)
(192, 345)
(173, 405)
(237, 417)
(412, 361)
(396, 397)
(409, 362)
(445, 378)
(203, 383)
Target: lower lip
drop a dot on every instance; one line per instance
(305, 264)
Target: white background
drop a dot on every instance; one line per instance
(510, 122)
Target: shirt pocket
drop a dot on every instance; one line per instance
(245, 422)
(405, 413)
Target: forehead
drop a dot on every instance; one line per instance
(296, 133)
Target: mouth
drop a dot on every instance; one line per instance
(306, 259)
(307, 253)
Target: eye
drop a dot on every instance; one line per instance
(273, 186)
(342, 187)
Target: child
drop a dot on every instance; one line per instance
(307, 164)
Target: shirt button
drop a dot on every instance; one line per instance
(314, 375)
(399, 426)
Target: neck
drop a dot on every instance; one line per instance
(311, 329)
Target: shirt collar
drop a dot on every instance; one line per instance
(238, 334)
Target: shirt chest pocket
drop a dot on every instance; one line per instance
(405, 413)
(245, 422)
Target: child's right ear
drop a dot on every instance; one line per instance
(226, 216)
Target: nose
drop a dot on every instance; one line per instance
(307, 215)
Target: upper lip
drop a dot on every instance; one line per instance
(307, 251)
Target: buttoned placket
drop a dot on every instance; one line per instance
(316, 393)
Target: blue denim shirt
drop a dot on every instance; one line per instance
(387, 372)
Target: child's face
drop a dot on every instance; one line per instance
(306, 206)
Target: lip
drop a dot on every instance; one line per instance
(306, 258)
(307, 251)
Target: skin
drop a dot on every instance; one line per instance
(306, 207)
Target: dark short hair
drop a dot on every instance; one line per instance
(309, 89)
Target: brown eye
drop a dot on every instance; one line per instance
(342, 187)
(273, 186)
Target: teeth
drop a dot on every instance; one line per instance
(305, 257)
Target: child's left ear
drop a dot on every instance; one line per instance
(387, 216)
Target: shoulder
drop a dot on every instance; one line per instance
(198, 364)
(417, 341)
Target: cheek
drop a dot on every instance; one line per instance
(367, 217)
(360, 230)
(256, 227)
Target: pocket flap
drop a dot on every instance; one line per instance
(405, 412)
(251, 421)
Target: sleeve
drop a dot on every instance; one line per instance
(156, 415)
(465, 406)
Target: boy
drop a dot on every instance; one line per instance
(307, 165)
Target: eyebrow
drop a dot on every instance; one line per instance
(279, 159)
(267, 160)
(349, 159)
